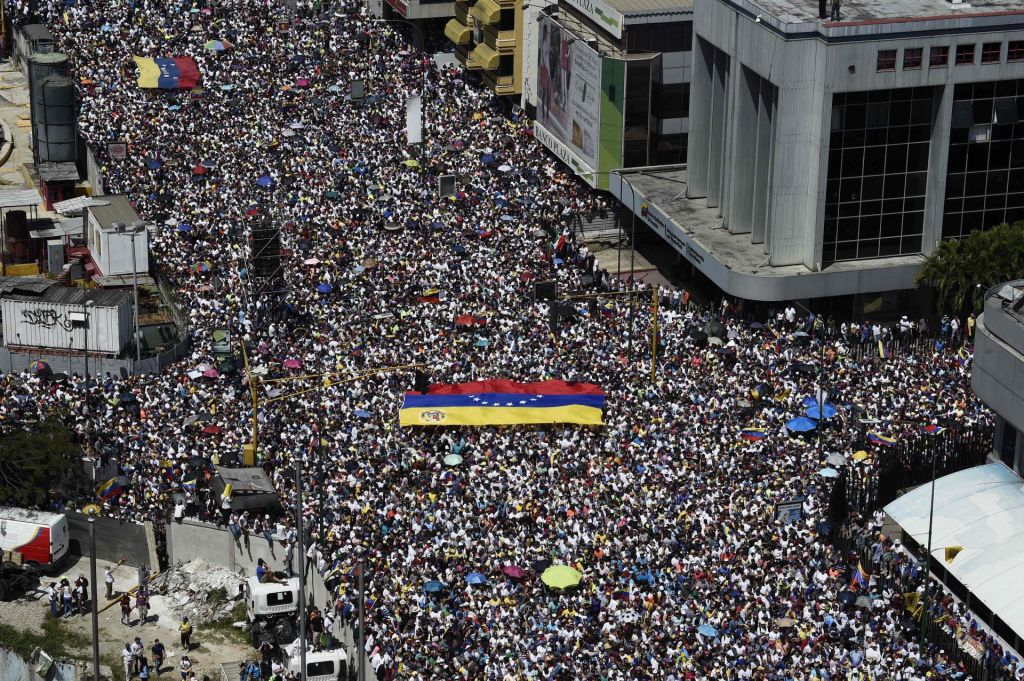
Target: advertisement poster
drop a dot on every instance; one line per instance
(569, 90)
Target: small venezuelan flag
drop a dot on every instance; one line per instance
(752, 434)
(932, 429)
(878, 439)
(502, 402)
(109, 490)
(860, 578)
(883, 351)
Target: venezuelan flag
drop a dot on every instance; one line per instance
(178, 73)
(189, 485)
(878, 439)
(860, 578)
(502, 402)
(752, 434)
(109, 490)
(932, 429)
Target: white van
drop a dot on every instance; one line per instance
(41, 538)
(327, 665)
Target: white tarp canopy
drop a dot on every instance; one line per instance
(982, 510)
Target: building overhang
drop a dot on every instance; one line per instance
(486, 57)
(457, 32)
(486, 11)
(741, 268)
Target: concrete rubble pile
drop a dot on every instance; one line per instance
(198, 590)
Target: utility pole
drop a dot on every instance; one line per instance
(362, 618)
(928, 560)
(654, 333)
(303, 617)
(93, 598)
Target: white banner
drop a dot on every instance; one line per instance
(414, 120)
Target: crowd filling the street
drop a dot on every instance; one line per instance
(667, 512)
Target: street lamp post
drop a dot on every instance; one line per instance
(93, 597)
(928, 559)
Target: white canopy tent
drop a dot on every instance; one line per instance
(982, 510)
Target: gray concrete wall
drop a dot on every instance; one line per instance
(14, 668)
(997, 374)
(62, 362)
(193, 540)
(114, 540)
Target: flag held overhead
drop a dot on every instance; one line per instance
(502, 402)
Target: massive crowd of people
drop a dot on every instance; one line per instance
(668, 513)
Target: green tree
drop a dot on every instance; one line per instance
(34, 460)
(961, 270)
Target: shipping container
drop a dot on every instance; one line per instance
(53, 320)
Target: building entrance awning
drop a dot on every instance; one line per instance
(980, 509)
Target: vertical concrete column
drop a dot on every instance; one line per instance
(700, 119)
(738, 209)
(761, 193)
(938, 158)
(717, 138)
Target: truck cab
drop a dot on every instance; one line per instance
(271, 610)
(327, 665)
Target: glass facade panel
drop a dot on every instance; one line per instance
(986, 147)
(877, 174)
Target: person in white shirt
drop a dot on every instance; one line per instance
(128, 662)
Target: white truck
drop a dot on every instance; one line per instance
(326, 665)
(271, 610)
(40, 537)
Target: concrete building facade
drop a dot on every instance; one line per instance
(831, 155)
(998, 372)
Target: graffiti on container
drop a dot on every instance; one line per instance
(47, 319)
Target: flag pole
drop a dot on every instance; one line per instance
(928, 561)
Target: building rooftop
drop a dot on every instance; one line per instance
(631, 8)
(119, 209)
(72, 295)
(860, 12)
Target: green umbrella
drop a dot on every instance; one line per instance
(561, 577)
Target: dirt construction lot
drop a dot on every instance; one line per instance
(212, 643)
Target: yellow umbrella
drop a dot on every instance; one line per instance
(561, 577)
(860, 456)
(411, 163)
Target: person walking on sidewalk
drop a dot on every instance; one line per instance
(142, 605)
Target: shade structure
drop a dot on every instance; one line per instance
(264, 181)
(486, 11)
(513, 571)
(433, 586)
(561, 577)
(801, 424)
(324, 288)
(452, 460)
(476, 578)
(707, 630)
(291, 364)
(814, 413)
(828, 473)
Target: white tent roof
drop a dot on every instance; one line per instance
(982, 510)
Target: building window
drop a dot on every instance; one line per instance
(886, 60)
(912, 58)
(938, 57)
(964, 54)
(1015, 50)
(985, 164)
(991, 52)
(675, 36)
(877, 173)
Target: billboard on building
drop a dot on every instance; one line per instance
(569, 91)
(602, 14)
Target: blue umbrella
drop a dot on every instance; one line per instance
(482, 343)
(184, 227)
(459, 249)
(153, 164)
(557, 261)
(707, 630)
(808, 402)
(362, 413)
(209, 163)
(334, 88)
(645, 577)
(174, 107)
(801, 424)
(814, 413)
(476, 578)
(433, 587)
(324, 288)
(487, 158)
(828, 473)
(227, 87)
(264, 181)
(507, 218)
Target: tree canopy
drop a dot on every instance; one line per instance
(32, 461)
(961, 270)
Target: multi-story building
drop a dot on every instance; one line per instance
(488, 37)
(411, 10)
(998, 372)
(833, 147)
(611, 83)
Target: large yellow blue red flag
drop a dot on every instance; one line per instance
(166, 73)
(502, 402)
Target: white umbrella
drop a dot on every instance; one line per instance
(504, 168)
